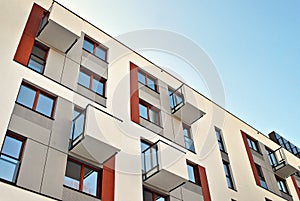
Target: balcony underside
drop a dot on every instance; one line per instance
(188, 113)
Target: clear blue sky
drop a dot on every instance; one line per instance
(255, 46)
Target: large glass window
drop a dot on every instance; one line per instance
(10, 156)
(95, 48)
(228, 175)
(281, 183)
(38, 57)
(92, 81)
(147, 80)
(149, 112)
(83, 177)
(220, 139)
(193, 173)
(36, 100)
(262, 180)
(253, 144)
(188, 140)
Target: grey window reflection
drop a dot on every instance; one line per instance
(45, 105)
(72, 177)
(26, 96)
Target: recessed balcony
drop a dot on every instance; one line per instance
(59, 28)
(164, 166)
(284, 163)
(95, 135)
(184, 105)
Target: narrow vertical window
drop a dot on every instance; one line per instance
(10, 156)
(262, 179)
(188, 140)
(228, 175)
(38, 57)
(220, 139)
(281, 183)
(193, 173)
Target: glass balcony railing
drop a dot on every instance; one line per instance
(150, 161)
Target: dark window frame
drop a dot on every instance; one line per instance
(220, 140)
(281, 184)
(261, 176)
(93, 76)
(189, 137)
(148, 76)
(149, 108)
(99, 179)
(43, 47)
(253, 144)
(38, 91)
(22, 139)
(229, 175)
(155, 194)
(96, 44)
(196, 172)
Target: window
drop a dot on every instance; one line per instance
(176, 98)
(92, 81)
(188, 140)
(253, 144)
(262, 180)
(95, 48)
(147, 80)
(220, 139)
(149, 156)
(271, 157)
(10, 156)
(38, 57)
(281, 183)
(83, 177)
(193, 173)
(153, 196)
(149, 112)
(228, 175)
(76, 112)
(37, 100)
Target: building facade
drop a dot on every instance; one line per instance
(85, 117)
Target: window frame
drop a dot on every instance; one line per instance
(149, 108)
(261, 176)
(46, 49)
(22, 139)
(282, 183)
(229, 175)
(155, 194)
(95, 45)
(190, 136)
(195, 171)
(82, 166)
(251, 141)
(92, 76)
(38, 91)
(220, 140)
(148, 76)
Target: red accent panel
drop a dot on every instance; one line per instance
(108, 180)
(296, 186)
(204, 183)
(251, 160)
(27, 40)
(134, 93)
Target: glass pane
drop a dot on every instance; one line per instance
(144, 146)
(147, 196)
(76, 112)
(36, 64)
(78, 126)
(226, 169)
(186, 132)
(39, 52)
(90, 179)
(72, 177)
(88, 46)
(229, 183)
(101, 53)
(45, 105)
(151, 83)
(98, 87)
(26, 96)
(191, 173)
(8, 168)
(171, 99)
(84, 79)
(158, 198)
(154, 116)
(178, 99)
(12, 147)
(143, 111)
(141, 78)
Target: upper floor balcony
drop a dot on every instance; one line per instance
(164, 166)
(284, 163)
(184, 105)
(59, 28)
(95, 135)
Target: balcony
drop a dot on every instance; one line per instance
(59, 28)
(164, 166)
(183, 105)
(284, 163)
(95, 135)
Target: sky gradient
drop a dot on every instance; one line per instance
(254, 45)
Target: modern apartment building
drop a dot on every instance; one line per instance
(86, 118)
